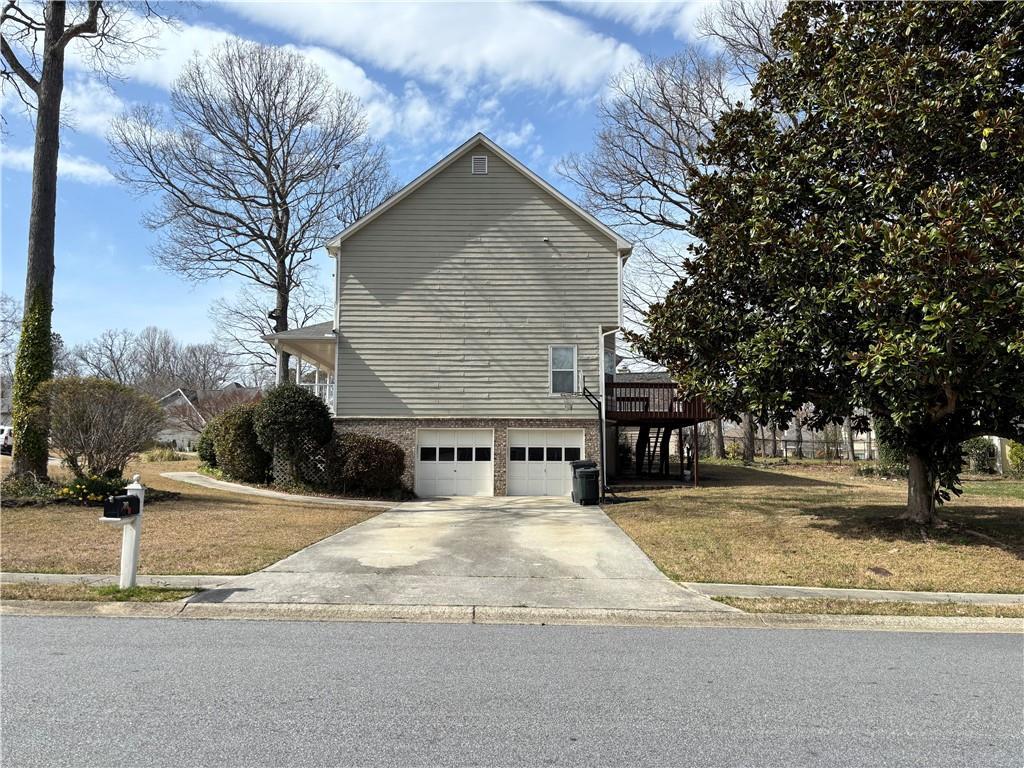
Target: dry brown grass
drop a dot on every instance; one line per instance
(79, 592)
(204, 531)
(871, 608)
(820, 526)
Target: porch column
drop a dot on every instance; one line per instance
(280, 375)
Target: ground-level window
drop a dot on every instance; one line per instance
(562, 365)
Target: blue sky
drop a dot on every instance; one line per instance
(429, 75)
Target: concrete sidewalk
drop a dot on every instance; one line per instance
(197, 478)
(703, 588)
(535, 552)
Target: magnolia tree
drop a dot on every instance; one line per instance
(864, 250)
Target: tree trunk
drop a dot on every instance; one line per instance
(798, 425)
(718, 444)
(848, 430)
(34, 360)
(775, 441)
(281, 321)
(748, 438)
(921, 486)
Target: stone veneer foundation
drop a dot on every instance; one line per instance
(402, 432)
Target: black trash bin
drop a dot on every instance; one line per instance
(586, 488)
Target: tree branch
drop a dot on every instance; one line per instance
(17, 67)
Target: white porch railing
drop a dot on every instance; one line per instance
(323, 390)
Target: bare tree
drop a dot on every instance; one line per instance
(10, 330)
(241, 321)
(34, 38)
(203, 366)
(156, 357)
(262, 157)
(652, 124)
(111, 355)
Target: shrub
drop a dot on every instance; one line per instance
(287, 420)
(734, 451)
(16, 491)
(979, 454)
(98, 426)
(1015, 455)
(892, 460)
(90, 489)
(368, 465)
(162, 453)
(237, 449)
(205, 445)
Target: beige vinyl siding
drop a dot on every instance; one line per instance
(450, 300)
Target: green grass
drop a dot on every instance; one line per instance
(1004, 489)
(83, 592)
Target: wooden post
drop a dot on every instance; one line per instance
(696, 457)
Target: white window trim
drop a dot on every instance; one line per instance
(575, 368)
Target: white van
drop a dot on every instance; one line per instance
(6, 440)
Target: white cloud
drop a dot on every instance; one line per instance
(645, 16)
(456, 46)
(89, 105)
(74, 167)
(516, 139)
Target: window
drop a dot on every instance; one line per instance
(479, 165)
(446, 454)
(535, 454)
(562, 364)
(554, 454)
(572, 454)
(464, 454)
(517, 454)
(428, 454)
(483, 454)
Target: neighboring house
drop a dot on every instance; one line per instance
(467, 305)
(188, 410)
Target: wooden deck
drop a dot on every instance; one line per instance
(640, 403)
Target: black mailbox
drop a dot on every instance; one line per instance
(121, 506)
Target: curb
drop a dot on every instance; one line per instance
(493, 615)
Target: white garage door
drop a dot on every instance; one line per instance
(538, 461)
(455, 462)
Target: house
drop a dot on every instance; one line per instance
(475, 327)
(188, 410)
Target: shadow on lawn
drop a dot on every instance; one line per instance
(724, 475)
(987, 526)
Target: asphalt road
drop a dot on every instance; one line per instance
(112, 692)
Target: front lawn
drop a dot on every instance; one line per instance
(202, 531)
(820, 526)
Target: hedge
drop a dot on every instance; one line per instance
(238, 451)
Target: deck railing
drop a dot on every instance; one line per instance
(323, 390)
(641, 401)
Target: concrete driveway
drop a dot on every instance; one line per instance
(513, 551)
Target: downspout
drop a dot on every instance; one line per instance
(601, 417)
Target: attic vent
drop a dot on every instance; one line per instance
(479, 165)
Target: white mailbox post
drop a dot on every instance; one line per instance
(131, 529)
